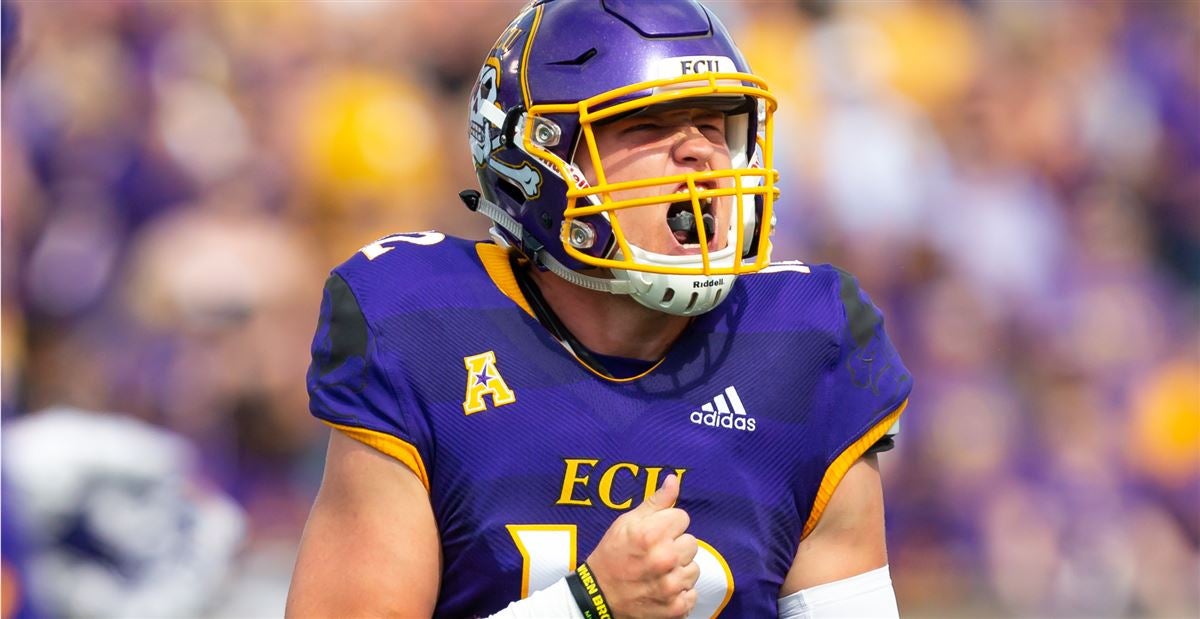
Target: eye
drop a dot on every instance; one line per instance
(713, 131)
(641, 126)
(711, 124)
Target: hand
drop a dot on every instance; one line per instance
(645, 563)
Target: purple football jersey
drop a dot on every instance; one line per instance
(427, 350)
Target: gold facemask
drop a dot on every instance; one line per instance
(748, 179)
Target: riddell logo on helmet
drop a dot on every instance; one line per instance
(708, 283)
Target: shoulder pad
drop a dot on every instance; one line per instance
(408, 265)
(862, 317)
(789, 285)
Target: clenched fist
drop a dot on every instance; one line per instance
(645, 563)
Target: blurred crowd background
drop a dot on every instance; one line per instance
(1017, 185)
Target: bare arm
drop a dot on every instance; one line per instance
(849, 539)
(370, 548)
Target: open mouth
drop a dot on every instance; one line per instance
(681, 219)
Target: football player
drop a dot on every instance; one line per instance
(112, 517)
(594, 414)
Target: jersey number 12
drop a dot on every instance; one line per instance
(549, 551)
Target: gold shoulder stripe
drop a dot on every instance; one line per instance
(397, 448)
(841, 464)
(499, 269)
(495, 261)
(620, 380)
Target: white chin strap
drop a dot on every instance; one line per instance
(681, 295)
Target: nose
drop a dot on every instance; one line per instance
(692, 148)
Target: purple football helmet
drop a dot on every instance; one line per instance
(563, 68)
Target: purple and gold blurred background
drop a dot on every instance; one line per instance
(1017, 184)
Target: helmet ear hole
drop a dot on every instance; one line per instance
(511, 190)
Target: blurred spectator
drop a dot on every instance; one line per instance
(116, 522)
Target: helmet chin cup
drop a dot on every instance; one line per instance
(681, 295)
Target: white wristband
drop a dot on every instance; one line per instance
(553, 601)
(867, 595)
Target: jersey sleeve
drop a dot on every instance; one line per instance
(350, 385)
(867, 390)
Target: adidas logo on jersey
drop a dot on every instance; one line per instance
(725, 411)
